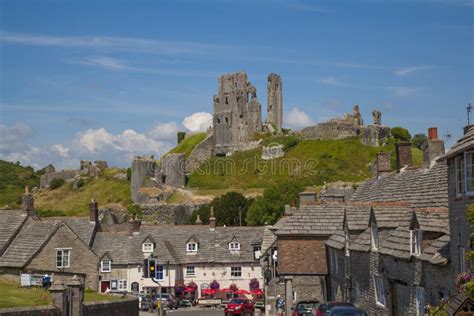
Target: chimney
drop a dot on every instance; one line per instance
(288, 210)
(136, 226)
(404, 156)
(198, 220)
(28, 203)
(307, 198)
(384, 164)
(94, 211)
(212, 219)
(432, 148)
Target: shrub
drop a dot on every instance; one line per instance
(49, 213)
(129, 174)
(418, 140)
(56, 183)
(400, 133)
(80, 183)
(135, 211)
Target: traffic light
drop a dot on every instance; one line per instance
(152, 268)
(145, 268)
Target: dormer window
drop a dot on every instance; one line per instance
(415, 242)
(105, 265)
(147, 247)
(192, 246)
(234, 246)
(374, 236)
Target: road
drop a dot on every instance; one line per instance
(189, 312)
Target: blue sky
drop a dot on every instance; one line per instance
(112, 79)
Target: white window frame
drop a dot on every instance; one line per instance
(374, 237)
(466, 166)
(147, 247)
(236, 272)
(61, 252)
(104, 267)
(234, 246)
(190, 271)
(257, 252)
(160, 269)
(462, 259)
(347, 252)
(192, 246)
(415, 242)
(420, 301)
(379, 290)
(459, 171)
(122, 285)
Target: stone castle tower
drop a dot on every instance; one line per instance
(275, 102)
(237, 113)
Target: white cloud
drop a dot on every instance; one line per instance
(12, 138)
(60, 150)
(199, 121)
(409, 70)
(164, 131)
(297, 119)
(106, 62)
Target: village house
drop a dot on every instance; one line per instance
(59, 247)
(184, 254)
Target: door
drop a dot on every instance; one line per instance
(104, 285)
(402, 299)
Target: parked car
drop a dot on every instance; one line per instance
(239, 306)
(347, 311)
(324, 309)
(145, 302)
(305, 308)
(165, 298)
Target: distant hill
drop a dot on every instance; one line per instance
(13, 179)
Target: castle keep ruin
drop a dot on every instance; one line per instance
(237, 112)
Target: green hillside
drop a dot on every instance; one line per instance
(187, 145)
(67, 201)
(311, 161)
(13, 179)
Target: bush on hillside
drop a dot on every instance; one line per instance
(418, 140)
(56, 183)
(400, 134)
(129, 174)
(181, 136)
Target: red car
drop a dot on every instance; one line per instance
(239, 306)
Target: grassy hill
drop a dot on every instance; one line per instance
(69, 202)
(187, 145)
(13, 179)
(311, 161)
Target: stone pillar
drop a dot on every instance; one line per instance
(212, 219)
(288, 295)
(28, 203)
(384, 165)
(76, 290)
(275, 102)
(432, 148)
(59, 294)
(94, 211)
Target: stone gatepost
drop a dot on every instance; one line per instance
(59, 294)
(76, 290)
(288, 295)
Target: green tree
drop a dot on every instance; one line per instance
(229, 209)
(270, 207)
(400, 133)
(135, 211)
(418, 140)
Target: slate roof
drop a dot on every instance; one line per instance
(337, 240)
(11, 221)
(171, 244)
(320, 219)
(418, 187)
(34, 233)
(464, 143)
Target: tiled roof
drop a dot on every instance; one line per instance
(464, 143)
(171, 244)
(337, 240)
(33, 235)
(421, 188)
(314, 220)
(437, 252)
(10, 220)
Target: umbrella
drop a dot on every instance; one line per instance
(227, 290)
(208, 291)
(242, 292)
(257, 292)
(189, 289)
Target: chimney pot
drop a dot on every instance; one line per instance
(94, 211)
(212, 219)
(307, 198)
(384, 164)
(404, 155)
(198, 220)
(432, 133)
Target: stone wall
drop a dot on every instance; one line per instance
(200, 154)
(298, 255)
(374, 135)
(67, 175)
(177, 214)
(330, 130)
(142, 168)
(173, 170)
(125, 307)
(30, 311)
(275, 102)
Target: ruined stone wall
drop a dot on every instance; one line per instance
(177, 214)
(67, 175)
(374, 135)
(200, 154)
(330, 130)
(173, 170)
(275, 102)
(142, 167)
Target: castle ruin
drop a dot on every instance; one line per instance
(237, 112)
